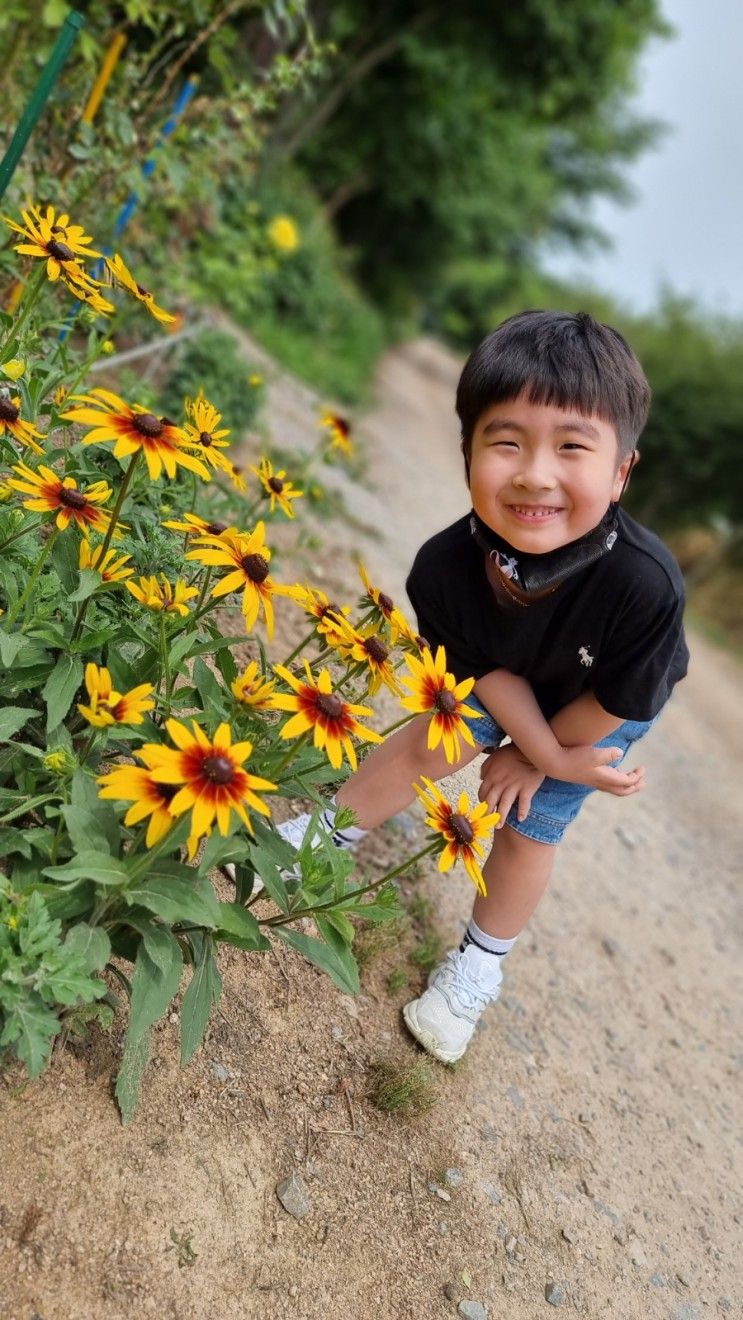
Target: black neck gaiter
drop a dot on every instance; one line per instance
(539, 573)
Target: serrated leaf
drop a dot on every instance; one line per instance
(30, 1026)
(203, 992)
(60, 688)
(134, 1060)
(12, 720)
(92, 943)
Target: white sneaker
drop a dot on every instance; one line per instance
(444, 1017)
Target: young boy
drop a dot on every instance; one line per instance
(566, 611)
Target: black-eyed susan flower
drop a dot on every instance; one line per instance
(211, 779)
(132, 783)
(339, 432)
(463, 832)
(87, 290)
(123, 278)
(11, 422)
(366, 647)
(51, 237)
(384, 608)
(49, 492)
(247, 554)
(165, 597)
(193, 525)
(237, 477)
(204, 433)
(110, 707)
(276, 487)
(110, 568)
(318, 606)
(283, 233)
(252, 688)
(133, 428)
(331, 718)
(434, 691)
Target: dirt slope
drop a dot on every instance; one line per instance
(591, 1128)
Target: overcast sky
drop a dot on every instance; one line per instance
(685, 227)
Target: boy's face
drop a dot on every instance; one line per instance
(542, 476)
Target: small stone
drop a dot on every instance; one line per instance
(293, 1195)
(687, 1311)
(220, 1072)
(442, 1227)
(638, 1257)
(173, 1018)
(452, 1292)
(337, 1033)
(610, 946)
(510, 1244)
(453, 1177)
(684, 1279)
(472, 1310)
(658, 1280)
(294, 1291)
(628, 839)
(724, 1303)
(555, 1294)
(442, 1195)
(569, 1236)
(490, 1132)
(515, 1096)
(492, 1193)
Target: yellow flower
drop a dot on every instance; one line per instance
(251, 688)
(59, 762)
(53, 238)
(276, 488)
(5, 492)
(462, 831)
(123, 278)
(59, 396)
(248, 556)
(283, 233)
(131, 783)
(339, 431)
(133, 428)
(168, 598)
(110, 707)
(108, 346)
(255, 380)
(316, 604)
(12, 422)
(13, 369)
(366, 647)
(52, 492)
(211, 778)
(237, 478)
(87, 290)
(385, 610)
(433, 689)
(202, 434)
(192, 524)
(110, 568)
(318, 707)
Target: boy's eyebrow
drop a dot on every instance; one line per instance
(503, 423)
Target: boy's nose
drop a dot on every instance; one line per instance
(535, 475)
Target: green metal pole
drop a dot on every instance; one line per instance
(28, 120)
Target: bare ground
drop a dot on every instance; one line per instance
(595, 1121)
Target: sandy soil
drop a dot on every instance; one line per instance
(591, 1129)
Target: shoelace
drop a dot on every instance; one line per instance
(470, 989)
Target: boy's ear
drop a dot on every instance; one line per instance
(621, 480)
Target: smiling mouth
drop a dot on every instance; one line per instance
(534, 512)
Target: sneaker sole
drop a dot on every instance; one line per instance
(426, 1039)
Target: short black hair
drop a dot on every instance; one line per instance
(566, 359)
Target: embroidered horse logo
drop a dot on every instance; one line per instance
(585, 656)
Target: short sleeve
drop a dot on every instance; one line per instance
(644, 656)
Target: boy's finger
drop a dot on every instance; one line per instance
(507, 799)
(604, 755)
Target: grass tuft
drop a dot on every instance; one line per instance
(402, 1088)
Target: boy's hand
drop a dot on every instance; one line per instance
(593, 766)
(507, 777)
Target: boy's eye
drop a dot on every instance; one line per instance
(573, 444)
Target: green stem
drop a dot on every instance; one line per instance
(296, 746)
(22, 600)
(392, 727)
(165, 663)
(85, 753)
(355, 894)
(77, 626)
(200, 601)
(24, 531)
(33, 289)
(304, 642)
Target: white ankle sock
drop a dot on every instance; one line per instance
(345, 838)
(484, 948)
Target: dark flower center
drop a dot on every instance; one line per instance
(330, 609)
(329, 704)
(422, 643)
(276, 485)
(446, 702)
(461, 829)
(385, 604)
(168, 421)
(168, 791)
(218, 769)
(376, 650)
(60, 251)
(148, 424)
(206, 438)
(256, 567)
(8, 411)
(215, 528)
(74, 499)
(143, 293)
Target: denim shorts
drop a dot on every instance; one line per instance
(555, 804)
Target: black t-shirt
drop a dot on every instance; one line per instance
(614, 628)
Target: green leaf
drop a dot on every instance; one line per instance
(339, 964)
(174, 899)
(341, 924)
(90, 865)
(239, 927)
(10, 645)
(92, 943)
(90, 580)
(218, 850)
(65, 558)
(213, 695)
(153, 987)
(203, 992)
(91, 822)
(29, 1027)
(38, 933)
(12, 720)
(60, 688)
(64, 904)
(135, 1058)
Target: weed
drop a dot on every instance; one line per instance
(402, 1088)
(373, 941)
(183, 1244)
(429, 951)
(396, 980)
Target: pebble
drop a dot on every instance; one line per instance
(336, 1033)
(555, 1294)
(453, 1177)
(220, 1072)
(610, 946)
(684, 1279)
(490, 1132)
(724, 1303)
(452, 1292)
(687, 1311)
(442, 1227)
(569, 1236)
(626, 837)
(293, 1195)
(492, 1193)
(658, 1280)
(472, 1310)
(515, 1096)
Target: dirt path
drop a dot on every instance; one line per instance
(590, 1133)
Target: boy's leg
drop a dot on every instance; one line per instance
(516, 874)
